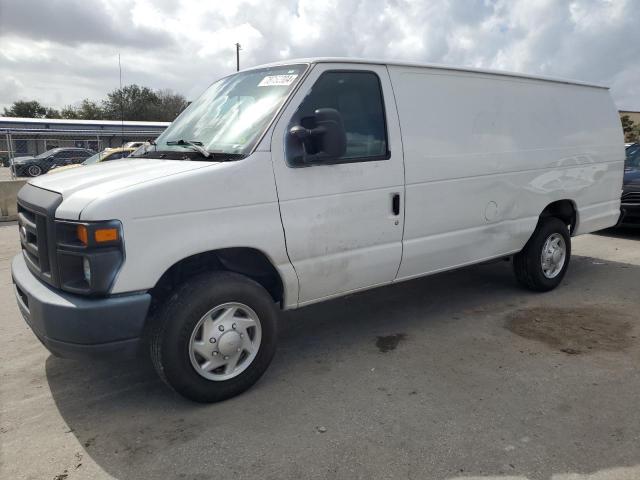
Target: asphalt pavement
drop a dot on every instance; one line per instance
(461, 375)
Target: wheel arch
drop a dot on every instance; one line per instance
(565, 209)
(247, 261)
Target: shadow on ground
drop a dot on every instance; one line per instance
(630, 232)
(418, 380)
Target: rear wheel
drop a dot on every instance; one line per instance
(215, 337)
(34, 170)
(543, 262)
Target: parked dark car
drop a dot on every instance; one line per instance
(631, 186)
(33, 166)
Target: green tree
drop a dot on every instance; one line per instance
(169, 106)
(86, 110)
(134, 102)
(30, 109)
(131, 102)
(51, 113)
(630, 129)
(69, 112)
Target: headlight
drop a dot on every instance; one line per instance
(89, 255)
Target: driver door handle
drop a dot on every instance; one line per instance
(395, 204)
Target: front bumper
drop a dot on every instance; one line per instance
(75, 326)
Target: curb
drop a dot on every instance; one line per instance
(8, 199)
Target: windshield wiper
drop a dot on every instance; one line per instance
(195, 145)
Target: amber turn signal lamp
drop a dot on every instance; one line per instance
(103, 235)
(81, 232)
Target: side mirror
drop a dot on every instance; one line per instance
(334, 137)
(325, 141)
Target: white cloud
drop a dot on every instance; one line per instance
(66, 50)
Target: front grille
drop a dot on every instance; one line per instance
(36, 223)
(33, 237)
(631, 197)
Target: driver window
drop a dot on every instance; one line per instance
(357, 96)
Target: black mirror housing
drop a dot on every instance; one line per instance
(325, 139)
(334, 136)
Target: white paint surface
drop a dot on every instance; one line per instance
(460, 142)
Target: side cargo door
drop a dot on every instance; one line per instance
(343, 219)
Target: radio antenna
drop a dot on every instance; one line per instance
(121, 104)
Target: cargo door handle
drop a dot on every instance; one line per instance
(395, 204)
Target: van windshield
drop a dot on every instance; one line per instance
(230, 116)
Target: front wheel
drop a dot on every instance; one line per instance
(215, 337)
(542, 263)
(34, 170)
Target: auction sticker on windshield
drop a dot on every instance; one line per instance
(277, 80)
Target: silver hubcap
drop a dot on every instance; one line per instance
(225, 341)
(554, 254)
(34, 171)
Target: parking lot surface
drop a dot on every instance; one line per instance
(5, 173)
(458, 375)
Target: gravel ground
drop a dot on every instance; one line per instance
(459, 375)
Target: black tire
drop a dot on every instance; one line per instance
(527, 264)
(177, 318)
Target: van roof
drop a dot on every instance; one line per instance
(428, 65)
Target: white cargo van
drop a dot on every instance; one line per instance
(293, 183)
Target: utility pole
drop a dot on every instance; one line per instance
(121, 104)
(238, 48)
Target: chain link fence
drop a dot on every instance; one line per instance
(16, 143)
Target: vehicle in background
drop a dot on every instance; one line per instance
(30, 166)
(103, 156)
(630, 206)
(290, 184)
(140, 150)
(133, 145)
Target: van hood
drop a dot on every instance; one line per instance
(94, 181)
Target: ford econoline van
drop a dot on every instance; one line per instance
(293, 183)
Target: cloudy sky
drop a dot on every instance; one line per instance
(60, 51)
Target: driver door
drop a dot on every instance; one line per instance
(343, 219)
